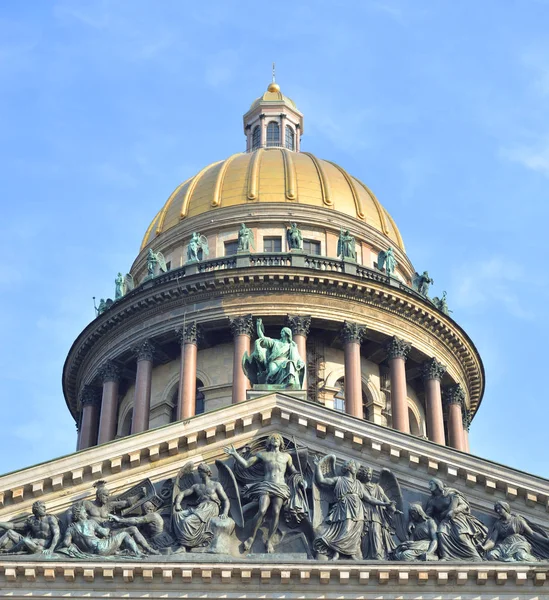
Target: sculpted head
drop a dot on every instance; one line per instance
(149, 507)
(274, 442)
(436, 486)
(502, 508)
(39, 509)
(204, 471)
(416, 513)
(350, 467)
(102, 494)
(365, 474)
(79, 512)
(286, 334)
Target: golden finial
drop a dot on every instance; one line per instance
(273, 86)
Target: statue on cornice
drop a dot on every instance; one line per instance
(192, 525)
(458, 532)
(423, 542)
(198, 248)
(386, 261)
(245, 239)
(294, 237)
(273, 481)
(346, 245)
(441, 304)
(512, 538)
(39, 533)
(155, 263)
(274, 362)
(421, 283)
(123, 285)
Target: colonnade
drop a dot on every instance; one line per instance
(100, 412)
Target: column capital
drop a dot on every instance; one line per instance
(243, 325)
(398, 348)
(109, 371)
(455, 394)
(466, 417)
(432, 369)
(145, 350)
(352, 332)
(299, 324)
(188, 334)
(89, 396)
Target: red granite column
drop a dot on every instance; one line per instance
(455, 399)
(300, 326)
(89, 400)
(242, 328)
(109, 402)
(143, 381)
(466, 425)
(433, 371)
(352, 334)
(397, 352)
(188, 338)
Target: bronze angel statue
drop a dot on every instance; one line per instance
(387, 262)
(201, 504)
(123, 285)
(351, 516)
(156, 263)
(198, 247)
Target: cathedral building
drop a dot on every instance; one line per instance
(273, 404)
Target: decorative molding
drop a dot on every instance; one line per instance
(433, 369)
(352, 332)
(109, 371)
(299, 324)
(398, 348)
(145, 350)
(243, 325)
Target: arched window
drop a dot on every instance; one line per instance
(273, 134)
(256, 138)
(290, 138)
(339, 397)
(126, 428)
(199, 407)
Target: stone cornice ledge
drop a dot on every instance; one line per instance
(157, 453)
(360, 581)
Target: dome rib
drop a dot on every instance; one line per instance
(253, 175)
(216, 200)
(189, 191)
(325, 186)
(166, 207)
(379, 208)
(149, 229)
(359, 208)
(290, 179)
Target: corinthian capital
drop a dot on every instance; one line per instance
(432, 369)
(398, 348)
(455, 394)
(188, 334)
(299, 324)
(466, 418)
(89, 396)
(109, 372)
(352, 332)
(242, 325)
(145, 350)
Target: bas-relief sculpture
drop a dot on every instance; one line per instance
(273, 496)
(274, 362)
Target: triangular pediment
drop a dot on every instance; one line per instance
(159, 455)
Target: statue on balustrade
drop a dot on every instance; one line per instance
(386, 261)
(271, 480)
(103, 306)
(123, 285)
(423, 542)
(86, 538)
(245, 239)
(458, 532)
(294, 237)
(346, 245)
(155, 263)
(198, 248)
(442, 304)
(195, 526)
(421, 283)
(342, 528)
(383, 517)
(39, 533)
(150, 525)
(274, 362)
(512, 538)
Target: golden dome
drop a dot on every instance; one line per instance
(273, 175)
(273, 94)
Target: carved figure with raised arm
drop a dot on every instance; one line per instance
(458, 531)
(273, 490)
(150, 525)
(39, 533)
(274, 362)
(512, 538)
(294, 237)
(198, 248)
(423, 542)
(191, 525)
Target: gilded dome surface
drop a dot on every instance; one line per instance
(273, 94)
(273, 175)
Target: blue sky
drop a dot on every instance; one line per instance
(439, 106)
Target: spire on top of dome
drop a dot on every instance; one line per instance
(273, 121)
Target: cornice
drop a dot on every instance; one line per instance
(366, 287)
